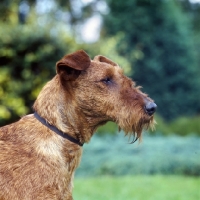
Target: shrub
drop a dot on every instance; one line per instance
(111, 155)
(108, 128)
(184, 126)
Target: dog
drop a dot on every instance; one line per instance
(40, 153)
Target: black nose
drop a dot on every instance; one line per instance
(150, 108)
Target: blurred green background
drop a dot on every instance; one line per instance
(157, 43)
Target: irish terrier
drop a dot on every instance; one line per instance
(40, 152)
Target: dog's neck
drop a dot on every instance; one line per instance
(61, 115)
(56, 130)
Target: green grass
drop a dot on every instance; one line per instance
(137, 188)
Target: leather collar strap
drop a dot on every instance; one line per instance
(53, 128)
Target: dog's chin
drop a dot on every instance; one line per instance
(135, 131)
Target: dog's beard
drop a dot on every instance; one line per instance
(134, 130)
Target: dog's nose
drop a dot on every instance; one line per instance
(150, 108)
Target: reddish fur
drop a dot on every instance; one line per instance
(35, 162)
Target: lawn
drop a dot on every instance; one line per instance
(138, 187)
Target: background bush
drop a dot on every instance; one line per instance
(182, 126)
(185, 126)
(112, 155)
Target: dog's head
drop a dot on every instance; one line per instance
(101, 93)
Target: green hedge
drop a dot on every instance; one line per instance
(112, 155)
(182, 126)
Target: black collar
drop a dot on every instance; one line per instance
(56, 130)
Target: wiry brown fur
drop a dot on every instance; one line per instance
(38, 164)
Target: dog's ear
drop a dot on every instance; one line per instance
(71, 65)
(105, 60)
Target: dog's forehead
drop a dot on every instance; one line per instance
(104, 67)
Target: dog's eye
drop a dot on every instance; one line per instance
(107, 80)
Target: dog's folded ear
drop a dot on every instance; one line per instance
(105, 60)
(71, 65)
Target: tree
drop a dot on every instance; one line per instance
(157, 41)
(72, 12)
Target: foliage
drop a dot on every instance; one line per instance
(181, 126)
(27, 58)
(112, 155)
(72, 13)
(137, 188)
(185, 126)
(109, 127)
(193, 11)
(160, 47)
